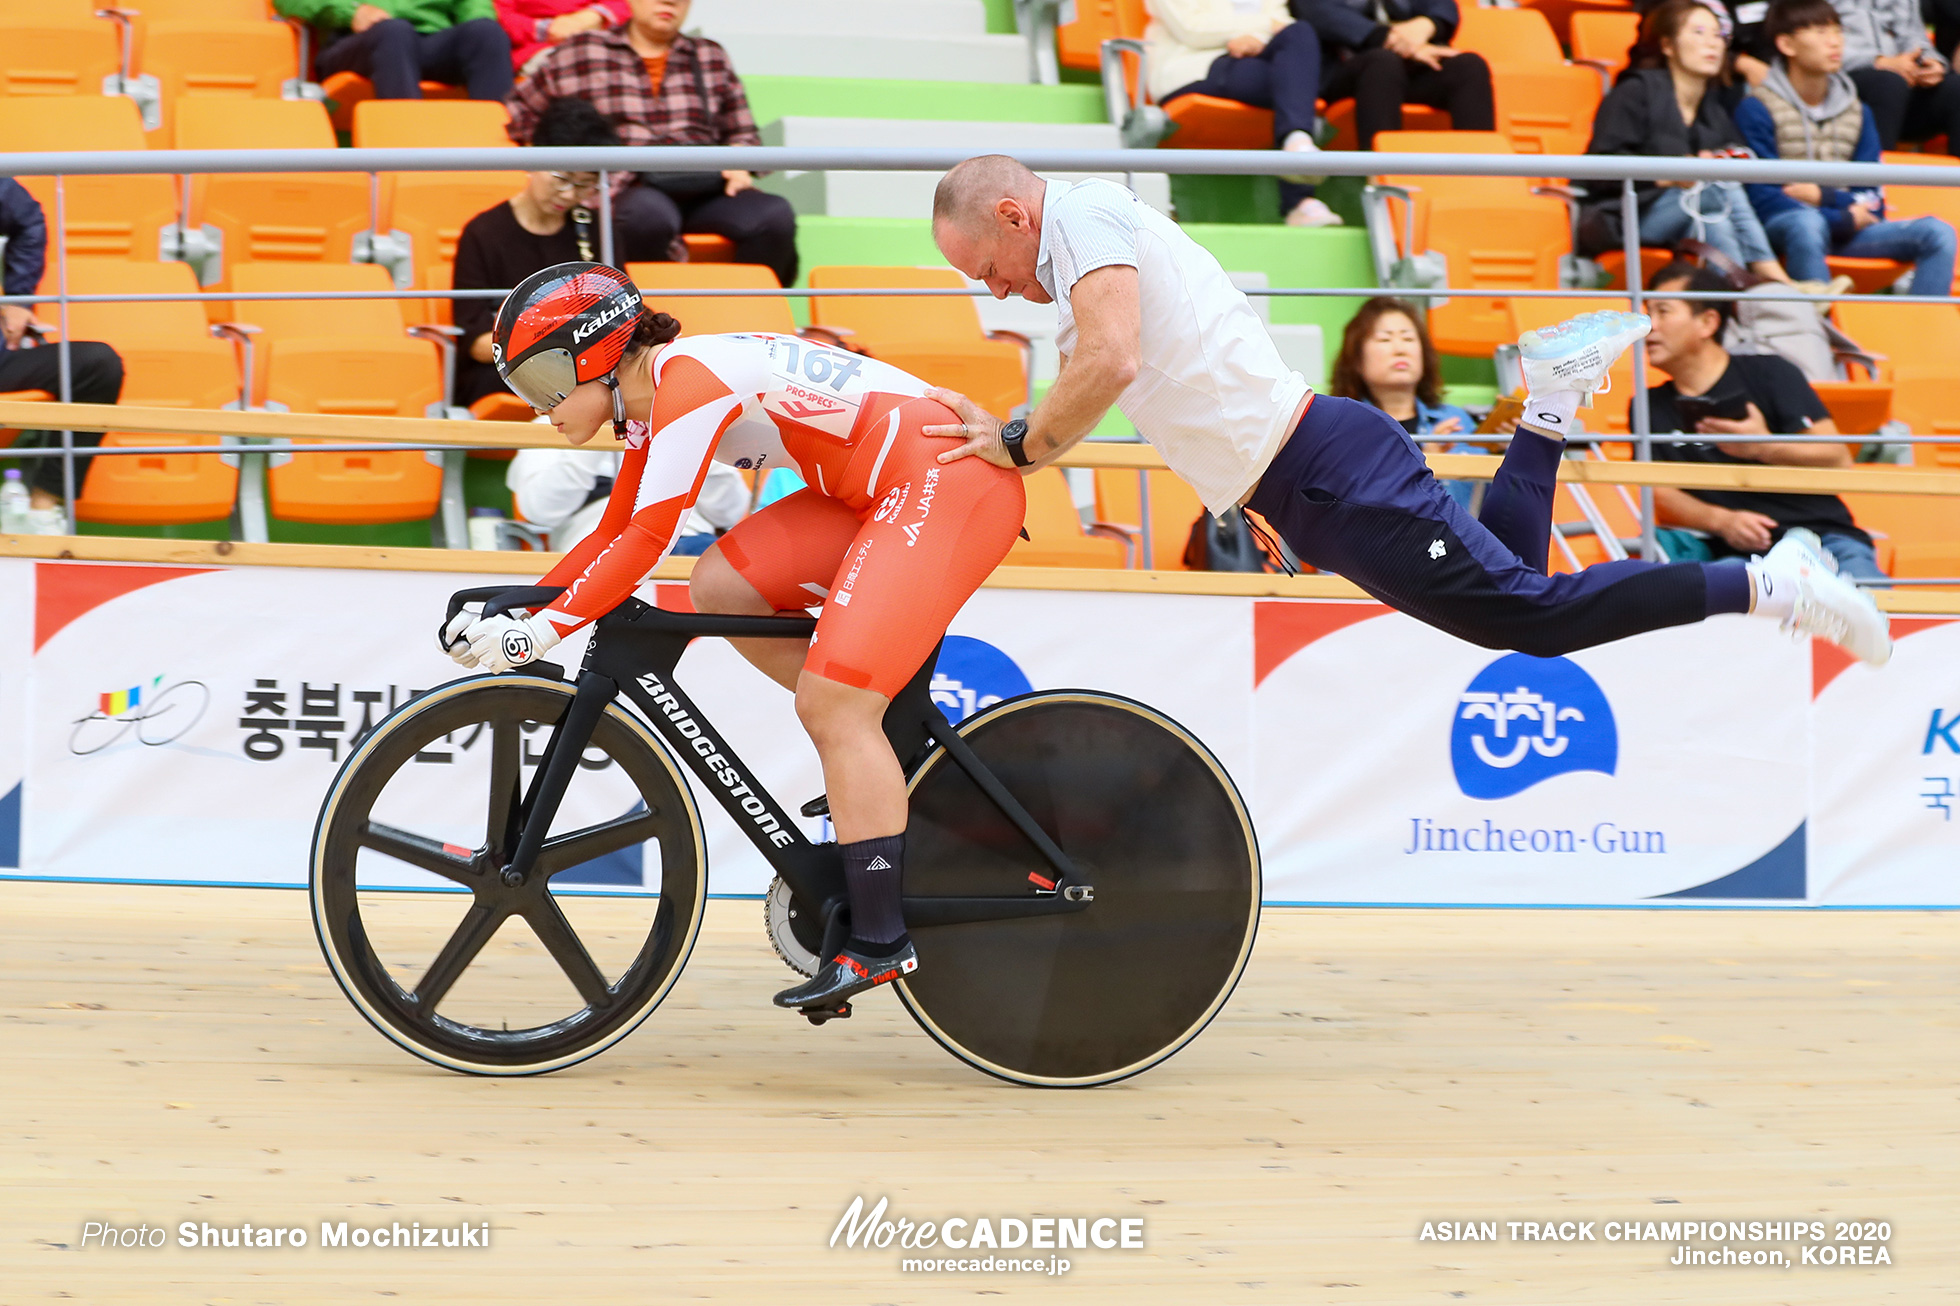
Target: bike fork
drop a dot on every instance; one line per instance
(554, 775)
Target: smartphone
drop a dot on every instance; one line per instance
(1730, 408)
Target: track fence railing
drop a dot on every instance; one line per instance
(1626, 171)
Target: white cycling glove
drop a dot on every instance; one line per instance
(451, 638)
(499, 643)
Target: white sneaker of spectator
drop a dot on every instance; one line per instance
(1311, 212)
(1299, 142)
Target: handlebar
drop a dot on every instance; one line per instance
(497, 599)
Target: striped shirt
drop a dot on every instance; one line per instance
(1211, 391)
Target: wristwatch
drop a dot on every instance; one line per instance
(1011, 436)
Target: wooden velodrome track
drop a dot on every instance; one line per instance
(178, 1054)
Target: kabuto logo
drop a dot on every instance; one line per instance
(972, 674)
(1525, 719)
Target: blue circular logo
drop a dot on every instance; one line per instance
(1526, 719)
(972, 674)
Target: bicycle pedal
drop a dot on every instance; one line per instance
(818, 1015)
(818, 806)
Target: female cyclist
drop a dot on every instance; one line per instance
(887, 540)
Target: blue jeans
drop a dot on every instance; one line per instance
(1739, 235)
(1856, 559)
(1803, 237)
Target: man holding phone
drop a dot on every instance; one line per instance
(1716, 393)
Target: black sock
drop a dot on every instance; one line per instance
(872, 872)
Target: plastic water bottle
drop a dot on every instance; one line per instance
(14, 504)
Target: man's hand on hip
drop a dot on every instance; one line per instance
(978, 427)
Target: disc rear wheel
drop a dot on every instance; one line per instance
(1153, 825)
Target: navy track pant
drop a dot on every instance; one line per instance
(1351, 494)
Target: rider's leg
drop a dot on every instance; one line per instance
(866, 789)
(716, 586)
(929, 536)
(781, 559)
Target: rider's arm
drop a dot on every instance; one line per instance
(691, 408)
(1108, 349)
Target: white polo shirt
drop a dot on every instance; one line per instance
(1211, 391)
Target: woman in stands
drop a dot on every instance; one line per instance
(1668, 102)
(1386, 360)
(887, 540)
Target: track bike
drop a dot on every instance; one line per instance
(1082, 879)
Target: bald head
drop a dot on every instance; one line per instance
(986, 220)
(967, 196)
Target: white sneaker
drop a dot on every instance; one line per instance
(1299, 142)
(1577, 353)
(1311, 212)
(1827, 605)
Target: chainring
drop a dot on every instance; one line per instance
(793, 932)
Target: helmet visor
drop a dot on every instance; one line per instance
(544, 379)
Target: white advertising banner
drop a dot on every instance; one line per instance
(183, 723)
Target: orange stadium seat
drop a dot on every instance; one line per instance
(273, 217)
(1564, 16)
(169, 361)
(115, 217)
(711, 314)
(169, 358)
(346, 92)
(938, 340)
(1493, 232)
(1056, 537)
(432, 208)
(1917, 343)
(1199, 122)
(342, 356)
(1174, 506)
(706, 247)
(420, 124)
(56, 53)
(203, 57)
(1544, 104)
(1903, 203)
(1602, 39)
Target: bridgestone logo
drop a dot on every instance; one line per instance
(724, 771)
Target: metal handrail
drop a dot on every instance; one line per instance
(771, 158)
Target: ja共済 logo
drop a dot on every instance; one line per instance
(1525, 719)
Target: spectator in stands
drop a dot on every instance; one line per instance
(1686, 344)
(1750, 51)
(1665, 103)
(563, 492)
(661, 88)
(95, 370)
(1806, 108)
(1909, 86)
(1386, 360)
(550, 221)
(1253, 52)
(534, 26)
(398, 44)
(1384, 54)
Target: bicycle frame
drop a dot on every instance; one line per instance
(635, 649)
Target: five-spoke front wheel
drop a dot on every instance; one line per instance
(412, 880)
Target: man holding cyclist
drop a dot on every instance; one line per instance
(1150, 321)
(887, 540)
